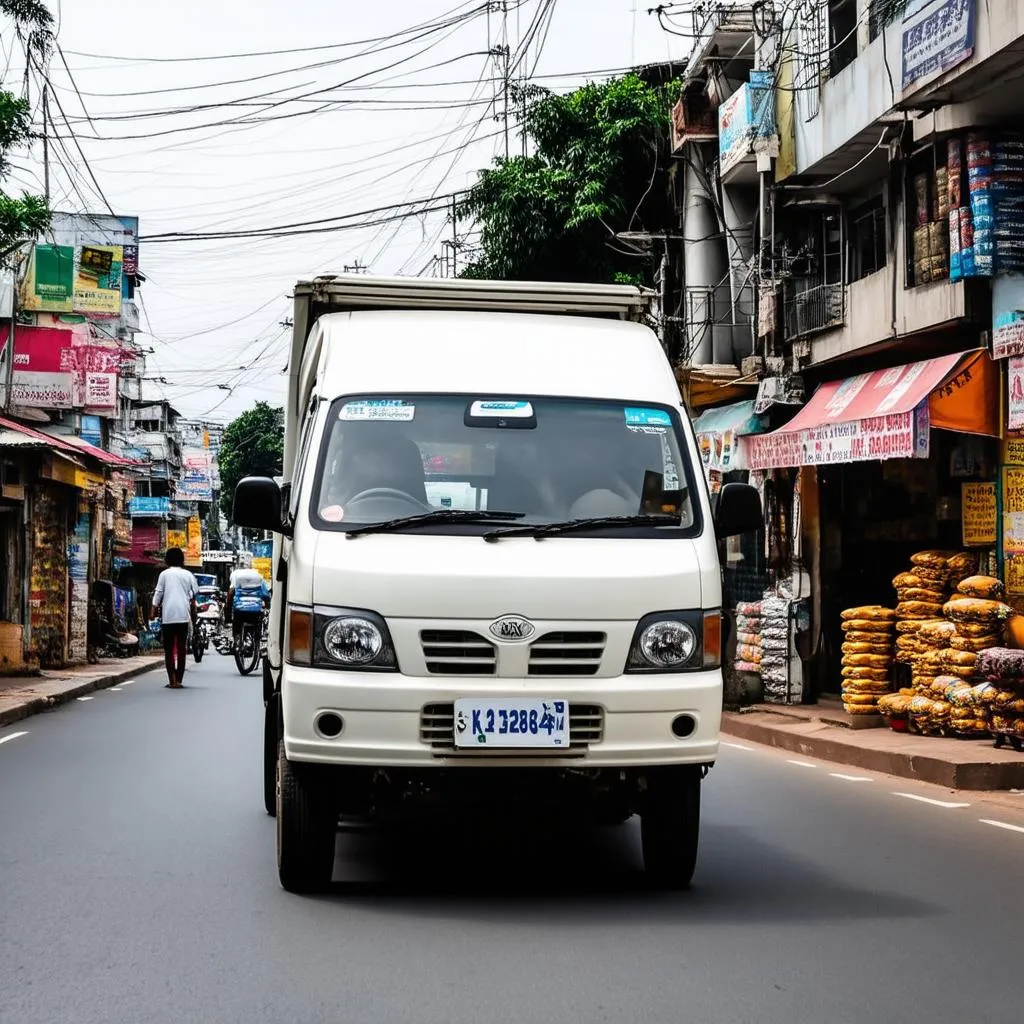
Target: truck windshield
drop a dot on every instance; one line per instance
(548, 460)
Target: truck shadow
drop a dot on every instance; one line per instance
(527, 872)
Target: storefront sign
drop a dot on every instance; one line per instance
(898, 436)
(1013, 575)
(143, 507)
(1015, 393)
(49, 282)
(177, 539)
(1013, 510)
(263, 567)
(194, 543)
(1007, 317)
(937, 35)
(196, 483)
(100, 390)
(979, 514)
(222, 557)
(1013, 451)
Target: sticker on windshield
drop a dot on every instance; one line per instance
(385, 409)
(502, 410)
(332, 514)
(647, 418)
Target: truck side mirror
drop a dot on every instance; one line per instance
(738, 511)
(258, 505)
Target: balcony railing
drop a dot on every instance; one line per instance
(812, 307)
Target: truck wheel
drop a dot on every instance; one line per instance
(271, 737)
(670, 826)
(306, 831)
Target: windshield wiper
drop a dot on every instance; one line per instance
(438, 515)
(572, 525)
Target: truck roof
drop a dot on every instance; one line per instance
(456, 352)
(349, 292)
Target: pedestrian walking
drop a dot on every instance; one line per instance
(174, 601)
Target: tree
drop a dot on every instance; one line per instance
(598, 168)
(253, 445)
(22, 218)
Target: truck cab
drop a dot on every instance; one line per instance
(496, 566)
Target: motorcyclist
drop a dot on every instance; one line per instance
(248, 596)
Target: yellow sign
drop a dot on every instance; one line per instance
(980, 514)
(98, 279)
(1013, 510)
(1013, 571)
(263, 567)
(194, 543)
(177, 539)
(1013, 451)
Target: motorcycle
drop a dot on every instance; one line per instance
(107, 627)
(206, 628)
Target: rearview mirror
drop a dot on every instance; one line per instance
(738, 511)
(257, 505)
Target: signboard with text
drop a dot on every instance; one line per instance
(937, 35)
(980, 514)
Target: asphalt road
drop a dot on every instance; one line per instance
(138, 884)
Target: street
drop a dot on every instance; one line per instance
(138, 885)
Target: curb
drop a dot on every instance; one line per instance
(36, 705)
(974, 771)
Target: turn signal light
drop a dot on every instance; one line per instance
(300, 636)
(713, 638)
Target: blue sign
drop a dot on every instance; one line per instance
(937, 35)
(263, 549)
(144, 507)
(91, 432)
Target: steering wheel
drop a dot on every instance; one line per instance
(387, 493)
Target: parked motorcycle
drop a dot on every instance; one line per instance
(207, 625)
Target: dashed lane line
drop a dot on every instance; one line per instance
(1001, 824)
(850, 778)
(947, 804)
(12, 736)
(84, 698)
(801, 764)
(736, 746)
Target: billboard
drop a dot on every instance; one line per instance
(196, 482)
(194, 543)
(937, 35)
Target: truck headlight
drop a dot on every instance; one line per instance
(340, 638)
(682, 641)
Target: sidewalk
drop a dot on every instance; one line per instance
(824, 731)
(21, 696)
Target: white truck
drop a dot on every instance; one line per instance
(496, 574)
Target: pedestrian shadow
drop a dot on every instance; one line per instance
(523, 875)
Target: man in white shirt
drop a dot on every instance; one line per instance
(174, 601)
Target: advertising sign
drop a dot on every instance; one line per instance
(1007, 317)
(177, 539)
(1015, 393)
(1013, 510)
(91, 431)
(734, 129)
(100, 390)
(194, 543)
(937, 35)
(50, 281)
(980, 514)
(196, 483)
(142, 507)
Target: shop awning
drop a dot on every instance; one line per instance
(107, 458)
(17, 435)
(719, 432)
(886, 414)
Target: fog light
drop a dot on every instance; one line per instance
(329, 724)
(683, 726)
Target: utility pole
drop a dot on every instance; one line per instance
(455, 235)
(46, 144)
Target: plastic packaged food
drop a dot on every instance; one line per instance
(974, 643)
(859, 672)
(918, 610)
(936, 631)
(907, 579)
(920, 594)
(985, 587)
(976, 609)
(851, 647)
(1002, 664)
(860, 698)
(867, 626)
(866, 686)
(932, 559)
(870, 611)
(867, 660)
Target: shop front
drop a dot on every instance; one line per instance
(888, 465)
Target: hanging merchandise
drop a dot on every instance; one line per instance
(775, 648)
(748, 637)
(867, 657)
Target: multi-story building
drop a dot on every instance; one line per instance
(852, 189)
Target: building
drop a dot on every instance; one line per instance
(851, 185)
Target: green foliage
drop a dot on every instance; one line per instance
(253, 445)
(599, 167)
(21, 219)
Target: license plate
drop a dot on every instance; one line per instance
(512, 722)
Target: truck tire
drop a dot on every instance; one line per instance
(306, 830)
(271, 737)
(670, 826)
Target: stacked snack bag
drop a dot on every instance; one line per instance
(1002, 694)
(867, 657)
(775, 648)
(748, 637)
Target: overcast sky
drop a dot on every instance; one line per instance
(418, 123)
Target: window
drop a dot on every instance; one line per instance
(868, 249)
(882, 14)
(842, 30)
(548, 459)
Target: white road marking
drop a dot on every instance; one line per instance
(83, 698)
(801, 764)
(928, 800)
(1001, 824)
(12, 736)
(736, 746)
(113, 689)
(126, 682)
(849, 778)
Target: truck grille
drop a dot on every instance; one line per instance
(457, 652)
(437, 728)
(567, 654)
